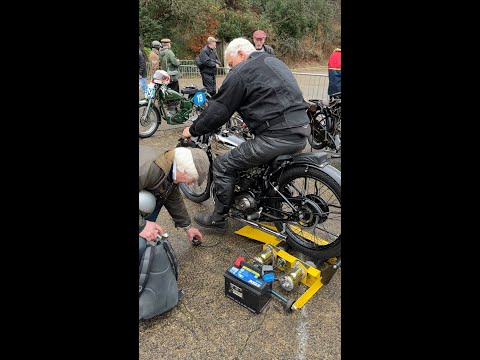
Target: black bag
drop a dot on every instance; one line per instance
(157, 285)
(198, 62)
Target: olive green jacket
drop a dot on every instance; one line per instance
(155, 167)
(168, 61)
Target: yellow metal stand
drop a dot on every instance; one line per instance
(314, 278)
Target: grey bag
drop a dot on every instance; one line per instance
(158, 274)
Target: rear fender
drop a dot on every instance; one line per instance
(317, 160)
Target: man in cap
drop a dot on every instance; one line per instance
(209, 65)
(170, 64)
(154, 57)
(259, 37)
(160, 172)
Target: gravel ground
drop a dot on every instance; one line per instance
(208, 325)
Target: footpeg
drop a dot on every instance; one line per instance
(255, 215)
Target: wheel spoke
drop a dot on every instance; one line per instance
(148, 124)
(317, 215)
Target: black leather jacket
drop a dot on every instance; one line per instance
(266, 95)
(209, 59)
(142, 65)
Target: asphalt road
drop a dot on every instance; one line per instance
(208, 325)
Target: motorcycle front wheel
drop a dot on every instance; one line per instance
(197, 193)
(318, 137)
(314, 225)
(148, 125)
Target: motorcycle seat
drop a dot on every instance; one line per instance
(192, 90)
(318, 157)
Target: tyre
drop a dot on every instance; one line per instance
(149, 125)
(314, 225)
(318, 138)
(197, 193)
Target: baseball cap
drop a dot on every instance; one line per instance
(165, 40)
(259, 34)
(211, 39)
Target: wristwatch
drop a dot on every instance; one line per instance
(186, 227)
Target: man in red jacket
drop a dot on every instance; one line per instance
(335, 72)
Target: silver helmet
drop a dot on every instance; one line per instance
(146, 202)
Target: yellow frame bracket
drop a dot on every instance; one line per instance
(313, 278)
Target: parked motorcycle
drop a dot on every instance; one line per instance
(325, 121)
(169, 105)
(299, 194)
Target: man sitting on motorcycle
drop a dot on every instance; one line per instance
(263, 90)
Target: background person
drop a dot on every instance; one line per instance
(154, 58)
(142, 67)
(209, 65)
(169, 63)
(335, 72)
(259, 37)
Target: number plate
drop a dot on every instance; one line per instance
(150, 91)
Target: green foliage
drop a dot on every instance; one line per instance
(150, 23)
(297, 29)
(303, 28)
(234, 24)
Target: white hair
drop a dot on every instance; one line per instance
(184, 162)
(239, 44)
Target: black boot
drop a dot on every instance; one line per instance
(217, 220)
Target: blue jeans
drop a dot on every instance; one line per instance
(142, 243)
(143, 83)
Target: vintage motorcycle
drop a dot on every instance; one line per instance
(167, 104)
(300, 194)
(325, 121)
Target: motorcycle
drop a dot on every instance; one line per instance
(300, 194)
(325, 121)
(169, 105)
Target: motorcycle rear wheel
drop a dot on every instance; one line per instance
(317, 138)
(149, 126)
(316, 232)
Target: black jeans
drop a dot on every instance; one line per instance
(248, 154)
(209, 82)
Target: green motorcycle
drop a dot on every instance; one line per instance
(169, 105)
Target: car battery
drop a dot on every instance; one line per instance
(244, 285)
